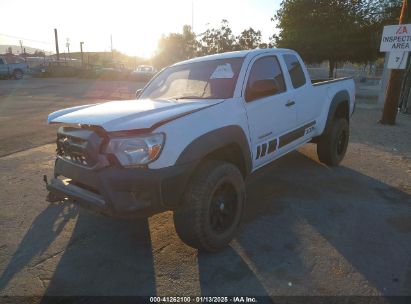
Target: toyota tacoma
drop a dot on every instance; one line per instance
(193, 135)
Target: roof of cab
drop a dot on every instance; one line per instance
(237, 54)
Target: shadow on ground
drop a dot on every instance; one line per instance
(43, 231)
(106, 257)
(308, 230)
(311, 230)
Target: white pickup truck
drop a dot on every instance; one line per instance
(193, 135)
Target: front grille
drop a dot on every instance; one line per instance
(72, 149)
(79, 146)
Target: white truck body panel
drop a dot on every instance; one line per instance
(181, 132)
(128, 114)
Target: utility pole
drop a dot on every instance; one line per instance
(192, 16)
(21, 45)
(23, 50)
(81, 50)
(395, 82)
(57, 44)
(68, 47)
(111, 46)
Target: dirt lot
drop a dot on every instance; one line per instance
(308, 229)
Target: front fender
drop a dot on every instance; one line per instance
(217, 139)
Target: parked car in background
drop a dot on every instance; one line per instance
(114, 71)
(14, 70)
(143, 72)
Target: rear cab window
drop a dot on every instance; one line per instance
(265, 71)
(295, 70)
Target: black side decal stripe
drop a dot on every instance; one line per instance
(258, 152)
(294, 135)
(263, 150)
(272, 146)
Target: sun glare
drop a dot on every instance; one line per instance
(138, 29)
(135, 26)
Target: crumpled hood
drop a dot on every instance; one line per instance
(129, 114)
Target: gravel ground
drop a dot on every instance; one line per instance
(308, 230)
(367, 130)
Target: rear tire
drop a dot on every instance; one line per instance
(212, 207)
(332, 145)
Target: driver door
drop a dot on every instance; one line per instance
(270, 108)
(3, 68)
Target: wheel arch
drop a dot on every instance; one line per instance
(227, 143)
(339, 108)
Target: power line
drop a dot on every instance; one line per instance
(22, 38)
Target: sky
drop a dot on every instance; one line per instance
(135, 26)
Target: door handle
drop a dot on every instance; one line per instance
(290, 103)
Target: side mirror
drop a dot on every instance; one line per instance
(261, 88)
(138, 93)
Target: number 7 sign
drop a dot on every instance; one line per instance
(397, 60)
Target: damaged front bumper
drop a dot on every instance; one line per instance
(117, 191)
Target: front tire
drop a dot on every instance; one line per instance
(212, 207)
(332, 146)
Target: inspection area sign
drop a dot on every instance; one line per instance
(396, 38)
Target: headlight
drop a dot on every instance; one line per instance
(136, 151)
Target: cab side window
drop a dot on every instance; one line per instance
(295, 70)
(266, 79)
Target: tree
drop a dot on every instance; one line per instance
(191, 45)
(333, 30)
(39, 53)
(219, 40)
(372, 16)
(249, 39)
(380, 12)
(175, 47)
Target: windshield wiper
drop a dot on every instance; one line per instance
(188, 97)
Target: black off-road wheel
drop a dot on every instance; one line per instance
(332, 145)
(212, 207)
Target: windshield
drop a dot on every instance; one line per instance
(212, 79)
